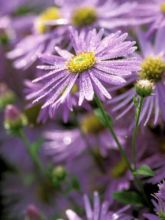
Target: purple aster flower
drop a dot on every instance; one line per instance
(105, 14)
(42, 40)
(97, 63)
(61, 145)
(97, 136)
(153, 69)
(159, 204)
(99, 211)
(60, 110)
(151, 12)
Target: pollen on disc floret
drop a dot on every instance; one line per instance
(51, 13)
(81, 62)
(152, 68)
(84, 16)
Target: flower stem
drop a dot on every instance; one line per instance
(135, 132)
(28, 145)
(111, 129)
(107, 118)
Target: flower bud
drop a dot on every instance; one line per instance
(59, 173)
(14, 119)
(32, 213)
(144, 87)
(6, 96)
(58, 176)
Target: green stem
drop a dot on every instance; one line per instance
(138, 184)
(110, 127)
(28, 145)
(135, 132)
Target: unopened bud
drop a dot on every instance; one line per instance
(6, 96)
(144, 87)
(32, 213)
(14, 119)
(58, 175)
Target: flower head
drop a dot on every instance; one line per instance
(151, 13)
(51, 13)
(160, 197)
(97, 64)
(152, 69)
(87, 14)
(42, 38)
(159, 204)
(99, 211)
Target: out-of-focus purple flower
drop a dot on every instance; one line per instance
(152, 68)
(15, 5)
(97, 136)
(96, 64)
(99, 211)
(61, 145)
(42, 40)
(150, 12)
(159, 204)
(89, 13)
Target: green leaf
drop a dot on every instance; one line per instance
(144, 170)
(128, 197)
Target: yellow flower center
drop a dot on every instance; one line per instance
(84, 16)
(162, 8)
(91, 124)
(81, 62)
(152, 68)
(119, 169)
(51, 13)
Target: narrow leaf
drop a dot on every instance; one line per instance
(128, 197)
(144, 170)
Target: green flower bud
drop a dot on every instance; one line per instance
(144, 87)
(59, 173)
